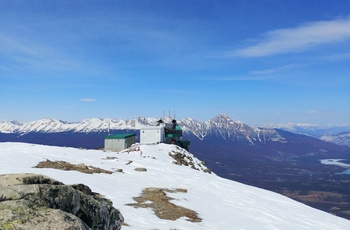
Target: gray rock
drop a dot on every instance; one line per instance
(31, 201)
(140, 169)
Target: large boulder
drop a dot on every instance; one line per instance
(31, 201)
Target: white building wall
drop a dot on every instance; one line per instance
(152, 134)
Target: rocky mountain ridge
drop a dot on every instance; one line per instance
(221, 125)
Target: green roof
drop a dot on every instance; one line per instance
(178, 128)
(120, 136)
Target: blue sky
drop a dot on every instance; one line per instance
(268, 61)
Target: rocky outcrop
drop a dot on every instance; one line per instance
(31, 201)
(184, 159)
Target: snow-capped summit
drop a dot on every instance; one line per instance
(213, 202)
(221, 125)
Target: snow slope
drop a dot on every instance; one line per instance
(222, 204)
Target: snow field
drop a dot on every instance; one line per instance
(220, 203)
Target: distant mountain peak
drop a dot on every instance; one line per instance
(222, 117)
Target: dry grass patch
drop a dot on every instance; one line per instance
(159, 202)
(63, 165)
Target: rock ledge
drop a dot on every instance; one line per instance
(32, 201)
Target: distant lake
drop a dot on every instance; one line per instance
(337, 162)
(345, 172)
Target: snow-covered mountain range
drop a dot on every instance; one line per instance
(221, 125)
(340, 139)
(310, 129)
(337, 134)
(214, 202)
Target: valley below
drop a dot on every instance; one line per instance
(317, 186)
(296, 173)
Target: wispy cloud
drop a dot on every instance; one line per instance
(313, 112)
(29, 55)
(298, 39)
(339, 56)
(320, 112)
(88, 99)
(15, 46)
(277, 69)
(180, 92)
(258, 75)
(237, 78)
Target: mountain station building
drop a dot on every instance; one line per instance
(119, 142)
(170, 133)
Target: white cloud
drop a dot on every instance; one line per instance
(88, 100)
(299, 38)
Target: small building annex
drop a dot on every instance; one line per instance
(152, 134)
(119, 142)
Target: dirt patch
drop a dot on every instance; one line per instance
(159, 202)
(63, 165)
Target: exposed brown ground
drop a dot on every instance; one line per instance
(62, 165)
(159, 202)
